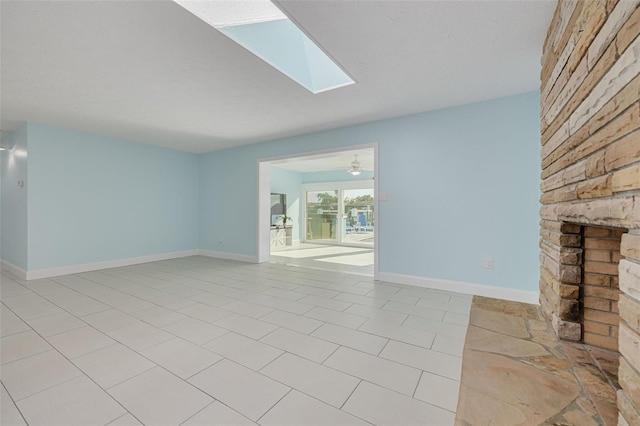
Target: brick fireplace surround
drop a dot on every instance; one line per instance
(590, 214)
(599, 289)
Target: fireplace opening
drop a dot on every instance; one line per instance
(599, 289)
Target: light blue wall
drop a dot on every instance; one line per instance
(13, 209)
(289, 182)
(93, 198)
(462, 185)
(334, 176)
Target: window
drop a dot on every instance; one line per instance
(340, 213)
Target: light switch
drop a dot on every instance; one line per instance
(383, 196)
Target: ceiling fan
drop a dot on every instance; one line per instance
(355, 167)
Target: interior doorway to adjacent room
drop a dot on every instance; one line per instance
(319, 210)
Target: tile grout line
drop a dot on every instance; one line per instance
(276, 403)
(82, 373)
(309, 334)
(14, 402)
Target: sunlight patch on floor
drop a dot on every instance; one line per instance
(322, 251)
(365, 259)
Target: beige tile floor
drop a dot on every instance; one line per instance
(200, 341)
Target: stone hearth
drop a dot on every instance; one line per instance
(517, 372)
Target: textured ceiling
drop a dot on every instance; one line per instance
(150, 71)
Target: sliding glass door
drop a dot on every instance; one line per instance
(322, 215)
(340, 213)
(358, 216)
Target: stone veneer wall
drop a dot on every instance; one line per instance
(590, 112)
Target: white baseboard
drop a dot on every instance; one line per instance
(516, 295)
(87, 267)
(15, 270)
(437, 284)
(228, 256)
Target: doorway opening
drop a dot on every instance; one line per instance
(324, 216)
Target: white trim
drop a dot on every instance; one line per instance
(264, 215)
(264, 188)
(323, 153)
(228, 256)
(376, 214)
(351, 184)
(516, 295)
(87, 267)
(15, 270)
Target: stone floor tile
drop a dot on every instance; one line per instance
(489, 341)
(518, 389)
(499, 322)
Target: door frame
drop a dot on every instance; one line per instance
(264, 199)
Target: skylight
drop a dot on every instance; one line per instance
(261, 28)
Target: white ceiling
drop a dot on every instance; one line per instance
(152, 72)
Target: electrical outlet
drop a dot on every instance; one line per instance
(221, 240)
(488, 263)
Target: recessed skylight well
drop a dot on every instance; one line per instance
(261, 28)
